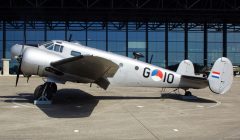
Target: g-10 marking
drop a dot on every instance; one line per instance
(168, 77)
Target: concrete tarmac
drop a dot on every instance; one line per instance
(82, 112)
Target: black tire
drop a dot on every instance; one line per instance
(188, 93)
(51, 89)
(38, 92)
(234, 73)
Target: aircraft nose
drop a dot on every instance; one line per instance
(16, 50)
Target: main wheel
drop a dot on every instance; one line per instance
(52, 87)
(50, 90)
(38, 92)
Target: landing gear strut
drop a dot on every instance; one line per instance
(44, 93)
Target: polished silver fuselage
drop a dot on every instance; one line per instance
(131, 72)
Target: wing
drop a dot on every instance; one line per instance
(95, 68)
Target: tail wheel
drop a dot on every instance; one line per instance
(188, 93)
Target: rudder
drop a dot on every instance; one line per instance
(221, 76)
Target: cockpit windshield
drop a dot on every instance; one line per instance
(49, 46)
(54, 47)
(43, 43)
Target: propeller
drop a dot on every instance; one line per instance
(19, 59)
(28, 77)
(19, 69)
(70, 38)
(151, 59)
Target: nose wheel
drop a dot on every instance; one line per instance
(43, 93)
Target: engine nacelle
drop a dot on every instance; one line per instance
(35, 61)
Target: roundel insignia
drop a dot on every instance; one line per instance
(157, 75)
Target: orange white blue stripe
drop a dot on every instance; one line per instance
(216, 74)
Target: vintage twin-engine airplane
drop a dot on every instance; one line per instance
(62, 61)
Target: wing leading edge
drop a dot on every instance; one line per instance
(94, 68)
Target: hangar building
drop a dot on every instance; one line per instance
(165, 31)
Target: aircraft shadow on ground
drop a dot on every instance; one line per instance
(180, 98)
(75, 103)
(19, 98)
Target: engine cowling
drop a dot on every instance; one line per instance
(35, 61)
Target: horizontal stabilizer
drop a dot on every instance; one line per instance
(186, 68)
(193, 82)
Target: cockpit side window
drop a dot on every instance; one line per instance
(75, 53)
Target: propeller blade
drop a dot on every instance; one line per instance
(151, 59)
(19, 71)
(28, 77)
(20, 58)
(22, 50)
(70, 38)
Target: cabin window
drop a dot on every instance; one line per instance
(58, 48)
(75, 53)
